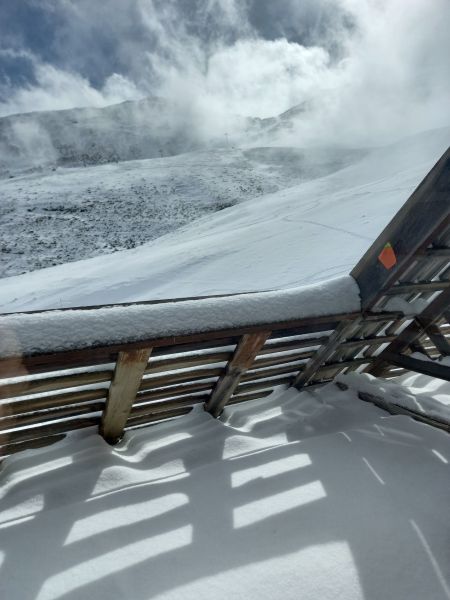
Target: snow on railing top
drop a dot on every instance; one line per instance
(53, 331)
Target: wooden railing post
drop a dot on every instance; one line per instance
(246, 351)
(127, 378)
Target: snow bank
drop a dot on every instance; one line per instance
(426, 395)
(63, 330)
(315, 496)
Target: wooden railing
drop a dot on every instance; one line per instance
(116, 386)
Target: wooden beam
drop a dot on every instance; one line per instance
(44, 431)
(90, 355)
(245, 388)
(127, 378)
(243, 358)
(323, 354)
(438, 252)
(426, 367)
(436, 337)
(173, 391)
(51, 384)
(419, 286)
(15, 421)
(18, 407)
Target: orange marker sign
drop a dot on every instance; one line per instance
(387, 257)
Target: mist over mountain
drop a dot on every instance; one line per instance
(147, 128)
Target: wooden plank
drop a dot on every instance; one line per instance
(426, 367)
(30, 445)
(151, 419)
(190, 376)
(158, 407)
(413, 228)
(437, 252)
(45, 431)
(267, 373)
(370, 341)
(174, 364)
(436, 337)
(283, 346)
(245, 388)
(341, 333)
(246, 397)
(12, 422)
(344, 364)
(217, 344)
(35, 386)
(283, 359)
(243, 358)
(18, 407)
(128, 374)
(174, 391)
(420, 286)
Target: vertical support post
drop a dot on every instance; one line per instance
(342, 332)
(127, 378)
(246, 351)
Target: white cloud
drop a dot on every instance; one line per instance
(391, 80)
(56, 89)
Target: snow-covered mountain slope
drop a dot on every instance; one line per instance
(82, 136)
(307, 233)
(313, 495)
(148, 128)
(67, 214)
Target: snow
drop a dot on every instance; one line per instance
(67, 214)
(313, 495)
(64, 330)
(422, 394)
(296, 236)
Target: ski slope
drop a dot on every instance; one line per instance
(58, 215)
(315, 496)
(312, 231)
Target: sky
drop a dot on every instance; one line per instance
(362, 67)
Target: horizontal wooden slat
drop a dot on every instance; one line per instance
(283, 346)
(18, 407)
(246, 397)
(30, 445)
(245, 388)
(47, 430)
(213, 345)
(437, 252)
(161, 366)
(158, 407)
(420, 286)
(53, 415)
(34, 386)
(370, 341)
(266, 373)
(345, 364)
(187, 377)
(261, 363)
(148, 419)
(173, 391)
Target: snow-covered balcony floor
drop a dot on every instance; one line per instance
(313, 496)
